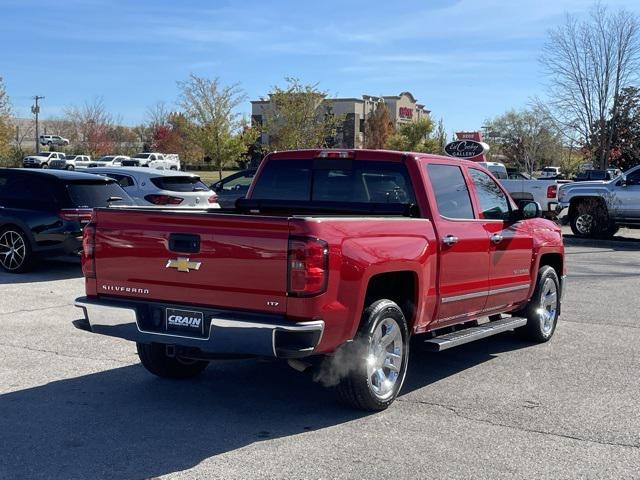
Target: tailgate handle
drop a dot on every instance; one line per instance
(184, 243)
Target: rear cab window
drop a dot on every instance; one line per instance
(335, 180)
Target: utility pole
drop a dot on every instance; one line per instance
(35, 109)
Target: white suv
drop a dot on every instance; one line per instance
(53, 140)
(41, 159)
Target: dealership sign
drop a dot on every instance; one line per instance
(466, 149)
(405, 112)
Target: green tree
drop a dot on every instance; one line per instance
(527, 138)
(6, 128)
(213, 122)
(296, 116)
(419, 136)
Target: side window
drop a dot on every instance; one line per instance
(452, 194)
(493, 202)
(634, 178)
(240, 184)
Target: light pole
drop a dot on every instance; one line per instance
(35, 109)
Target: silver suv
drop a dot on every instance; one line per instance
(598, 208)
(53, 140)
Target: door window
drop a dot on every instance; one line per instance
(633, 178)
(452, 194)
(240, 184)
(493, 201)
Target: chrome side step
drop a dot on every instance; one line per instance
(453, 339)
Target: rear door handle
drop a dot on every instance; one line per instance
(496, 238)
(450, 240)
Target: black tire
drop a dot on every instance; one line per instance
(70, 167)
(13, 239)
(154, 358)
(357, 388)
(539, 327)
(590, 219)
(45, 165)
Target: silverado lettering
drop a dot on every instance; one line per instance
(334, 261)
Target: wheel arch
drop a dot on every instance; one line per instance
(573, 203)
(399, 286)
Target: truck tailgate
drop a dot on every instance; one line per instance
(240, 261)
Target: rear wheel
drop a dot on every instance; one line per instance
(378, 357)
(543, 309)
(154, 358)
(15, 251)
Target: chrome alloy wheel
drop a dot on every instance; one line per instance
(12, 250)
(548, 306)
(384, 358)
(584, 223)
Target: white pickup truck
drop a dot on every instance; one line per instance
(524, 187)
(155, 160)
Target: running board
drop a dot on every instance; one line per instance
(453, 339)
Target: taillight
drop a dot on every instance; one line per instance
(88, 258)
(163, 199)
(552, 191)
(336, 154)
(308, 266)
(213, 198)
(80, 214)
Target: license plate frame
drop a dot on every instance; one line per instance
(180, 321)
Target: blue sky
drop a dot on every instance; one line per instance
(466, 60)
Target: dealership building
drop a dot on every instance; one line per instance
(402, 108)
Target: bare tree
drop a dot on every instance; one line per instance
(157, 114)
(588, 63)
(6, 129)
(91, 125)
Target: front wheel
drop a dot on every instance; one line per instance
(45, 165)
(155, 359)
(70, 167)
(543, 309)
(378, 358)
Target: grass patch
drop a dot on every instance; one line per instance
(212, 177)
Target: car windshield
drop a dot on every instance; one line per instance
(44, 154)
(142, 155)
(106, 159)
(180, 184)
(92, 194)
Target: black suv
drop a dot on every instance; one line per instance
(42, 212)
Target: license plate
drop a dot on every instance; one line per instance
(184, 321)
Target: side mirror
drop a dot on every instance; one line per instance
(527, 209)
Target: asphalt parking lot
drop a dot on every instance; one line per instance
(73, 405)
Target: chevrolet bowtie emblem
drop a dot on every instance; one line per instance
(183, 264)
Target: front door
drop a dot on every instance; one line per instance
(510, 244)
(463, 246)
(627, 197)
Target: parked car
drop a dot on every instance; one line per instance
(108, 161)
(161, 187)
(598, 209)
(550, 172)
(70, 162)
(496, 168)
(334, 260)
(53, 140)
(235, 186)
(41, 159)
(42, 213)
(154, 160)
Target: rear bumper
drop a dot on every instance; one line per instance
(229, 332)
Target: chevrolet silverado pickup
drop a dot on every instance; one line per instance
(333, 261)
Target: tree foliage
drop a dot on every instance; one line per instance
(379, 128)
(296, 116)
(213, 123)
(419, 136)
(6, 128)
(589, 62)
(527, 138)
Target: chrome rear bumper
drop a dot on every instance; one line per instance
(228, 332)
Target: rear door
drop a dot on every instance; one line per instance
(228, 261)
(510, 243)
(463, 245)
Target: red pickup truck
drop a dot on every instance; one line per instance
(334, 260)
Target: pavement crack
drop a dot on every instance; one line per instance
(35, 309)
(66, 355)
(457, 412)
